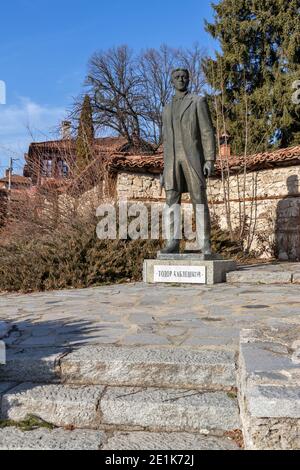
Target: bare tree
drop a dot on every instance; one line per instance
(128, 92)
(191, 59)
(115, 88)
(155, 67)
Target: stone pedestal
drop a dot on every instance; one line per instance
(187, 268)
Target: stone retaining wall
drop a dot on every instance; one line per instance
(268, 384)
(271, 199)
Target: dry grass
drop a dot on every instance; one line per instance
(49, 240)
(68, 256)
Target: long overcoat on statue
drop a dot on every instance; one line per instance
(198, 138)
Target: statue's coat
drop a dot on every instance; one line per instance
(198, 138)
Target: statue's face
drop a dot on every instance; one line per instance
(180, 80)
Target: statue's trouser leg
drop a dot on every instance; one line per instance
(203, 224)
(197, 191)
(173, 199)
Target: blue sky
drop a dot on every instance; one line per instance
(45, 46)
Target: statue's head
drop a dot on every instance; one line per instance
(181, 79)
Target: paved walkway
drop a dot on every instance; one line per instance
(180, 377)
(136, 314)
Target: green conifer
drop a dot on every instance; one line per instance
(258, 62)
(85, 135)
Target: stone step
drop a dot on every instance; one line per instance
(123, 366)
(56, 404)
(259, 276)
(12, 438)
(90, 407)
(141, 440)
(163, 409)
(38, 365)
(269, 387)
(150, 367)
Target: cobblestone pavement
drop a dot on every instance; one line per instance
(139, 314)
(183, 365)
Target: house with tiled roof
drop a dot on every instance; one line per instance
(263, 187)
(56, 159)
(15, 182)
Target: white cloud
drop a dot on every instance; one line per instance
(23, 123)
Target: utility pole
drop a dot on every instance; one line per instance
(10, 171)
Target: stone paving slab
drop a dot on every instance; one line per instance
(269, 387)
(193, 319)
(259, 277)
(274, 401)
(32, 365)
(4, 329)
(271, 356)
(274, 266)
(12, 438)
(170, 410)
(57, 439)
(167, 441)
(56, 404)
(198, 317)
(5, 386)
(88, 407)
(149, 367)
(268, 274)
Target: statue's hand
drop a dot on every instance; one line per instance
(208, 169)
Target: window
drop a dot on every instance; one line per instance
(47, 168)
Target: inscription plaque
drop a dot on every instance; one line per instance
(184, 274)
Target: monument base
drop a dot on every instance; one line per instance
(187, 269)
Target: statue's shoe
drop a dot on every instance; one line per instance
(172, 247)
(206, 250)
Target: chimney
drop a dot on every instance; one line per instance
(7, 173)
(66, 130)
(225, 148)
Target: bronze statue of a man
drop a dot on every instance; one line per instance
(189, 154)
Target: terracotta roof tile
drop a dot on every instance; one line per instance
(17, 179)
(103, 145)
(154, 164)
(280, 157)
